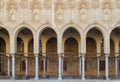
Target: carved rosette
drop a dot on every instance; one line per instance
(12, 4)
(47, 4)
(35, 4)
(117, 3)
(1, 4)
(107, 4)
(95, 4)
(71, 3)
(23, 4)
(83, 4)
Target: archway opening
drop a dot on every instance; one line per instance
(24, 52)
(48, 49)
(71, 48)
(4, 51)
(114, 51)
(94, 50)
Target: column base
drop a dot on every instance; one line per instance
(13, 78)
(36, 78)
(59, 78)
(83, 78)
(107, 78)
(44, 76)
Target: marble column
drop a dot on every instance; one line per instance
(13, 66)
(98, 66)
(36, 67)
(80, 66)
(116, 66)
(60, 66)
(44, 66)
(8, 66)
(26, 63)
(107, 66)
(83, 66)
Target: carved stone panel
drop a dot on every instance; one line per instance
(83, 7)
(59, 10)
(23, 4)
(12, 7)
(107, 10)
(35, 7)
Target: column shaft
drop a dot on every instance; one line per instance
(83, 66)
(9, 66)
(80, 66)
(36, 67)
(13, 66)
(60, 65)
(26, 63)
(106, 67)
(98, 66)
(116, 66)
(44, 65)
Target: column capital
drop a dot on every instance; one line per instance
(98, 54)
(107, 54)
(83, 54)
(116, 54)
(60, 54)
(36, 55)
(12, 54)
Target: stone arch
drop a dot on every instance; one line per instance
(45, 26)
(71, 25)
(6, 28)
(21, 26)
(114, 27)
(98, 26)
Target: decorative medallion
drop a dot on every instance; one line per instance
(117, 3)
(59, 5)
(107, 4)
(12, 4)
(1, 4)
(47, 4)
(23, 4)
(71, 3)
(83, 4)
(35, 4)
(95, 3)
